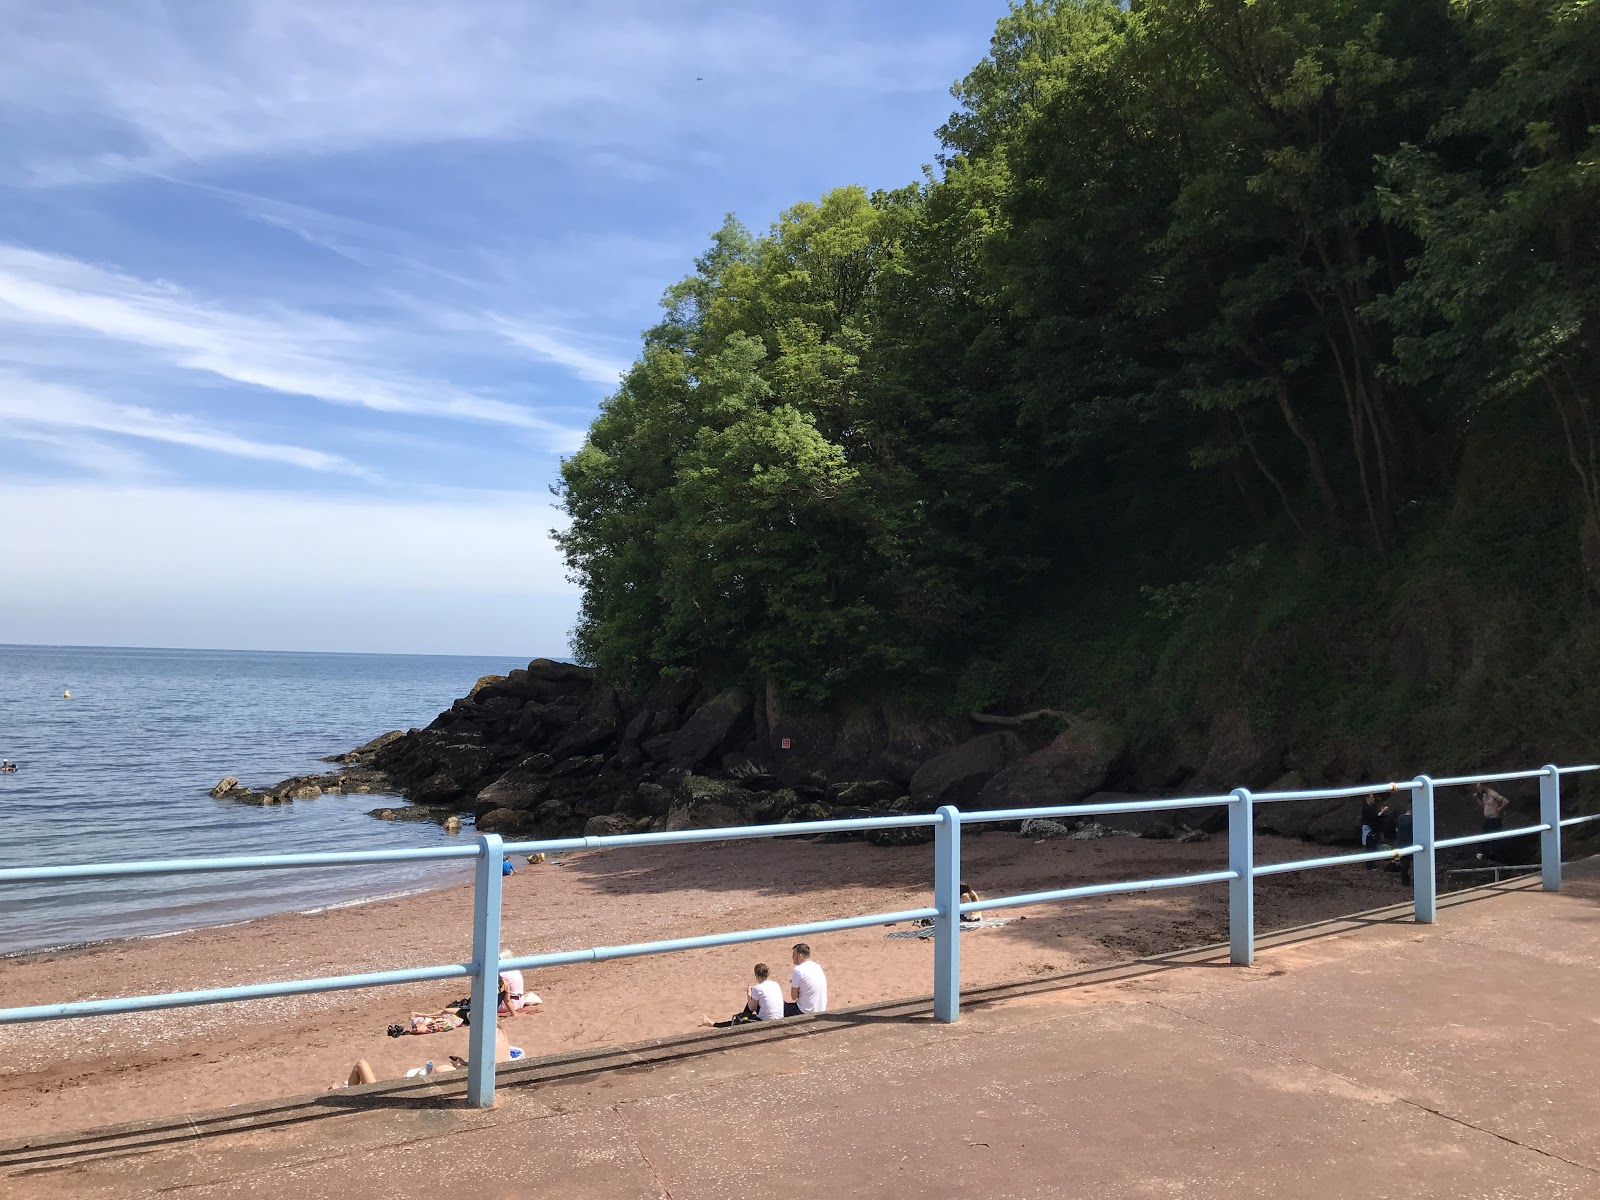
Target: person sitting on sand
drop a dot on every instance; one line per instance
(808, 986)
(968, 896)
(764, 1003)
(514, 998)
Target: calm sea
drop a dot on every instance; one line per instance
(121, 771)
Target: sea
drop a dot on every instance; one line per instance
(120, 771)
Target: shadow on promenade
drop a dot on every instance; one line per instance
(445, 1095)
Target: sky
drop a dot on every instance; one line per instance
(303, 301)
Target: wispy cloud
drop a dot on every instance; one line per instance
(168, 87)
(30, 406)
(284, 351)
(558, 346)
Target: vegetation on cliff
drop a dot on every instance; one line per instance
(1237, 358)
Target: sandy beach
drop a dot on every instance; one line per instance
(78, 1074)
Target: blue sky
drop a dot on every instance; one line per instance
(301, 301)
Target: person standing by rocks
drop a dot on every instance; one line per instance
(1494, 807)
(1403, 834)
(1372, 814)
(808, 986)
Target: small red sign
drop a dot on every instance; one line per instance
(785, 743)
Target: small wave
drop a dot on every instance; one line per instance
(358, 902)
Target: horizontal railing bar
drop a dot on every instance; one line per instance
(1565, 821)
(1098, 889)
(1092, 810)
(1365, 789)
(1308, 864)
(1500, 777)
(252, 862)
(249, 991)
(732, 833)
(1519, 831)
(1577, 770)
(559, 958)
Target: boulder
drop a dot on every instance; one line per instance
(1337, 821)
(1239, 756)
(483, 682)
(609, 825)
(1043, 829)
(651, 800)
(658, 748)
(702, 789)
(1072, 766)
(560, 672)
(702, 816)
(572, 768)
(228, 783)
(959, 774)
(554, 811)
(366, 750)
(517, 790)
(596, 727)
(717, 725)
(499, 820)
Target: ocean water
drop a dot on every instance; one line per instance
(121, 770)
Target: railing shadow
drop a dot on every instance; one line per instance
(446, 1095)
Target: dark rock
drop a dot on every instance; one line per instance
(517, 789)
(702, 789)
(653, 800)
(501, 820)
(560, 672)
(609, 825)
(659, 748)
(959, 774)
(716, 725)
(587, 765)
(702, 816)
(596, 727)
(483, 682)
(868, 791)
(1064, 772)
(367, 750)
(555, 811)
(1158, 831)
(596, 805)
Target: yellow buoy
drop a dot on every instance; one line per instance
(66, 695)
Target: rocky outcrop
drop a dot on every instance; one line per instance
(551, 751)
(1071, 767)
(960, 773)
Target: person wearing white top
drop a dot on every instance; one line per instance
(808, 986)
(763, 1003)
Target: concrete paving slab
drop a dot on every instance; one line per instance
(1369, 1057)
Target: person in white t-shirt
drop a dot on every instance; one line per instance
(808, 986)
(764, 1003)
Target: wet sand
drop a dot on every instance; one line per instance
(78, 1074)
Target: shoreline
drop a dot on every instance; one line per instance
(64, 1075)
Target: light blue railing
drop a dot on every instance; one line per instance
(489, 852)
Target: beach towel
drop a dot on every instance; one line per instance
(966, 927)
(421, 1025)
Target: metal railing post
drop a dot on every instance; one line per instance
(485, 971)
(1242, 887)
(1424, 875)
(947, 925)
(1550, 839)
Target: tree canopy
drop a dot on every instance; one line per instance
(1188, 275)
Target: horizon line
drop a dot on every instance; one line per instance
(247, 650)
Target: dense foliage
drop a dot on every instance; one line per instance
(1192, 278)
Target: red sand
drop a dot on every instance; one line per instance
(77, 1074)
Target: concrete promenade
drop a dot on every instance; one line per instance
(1364, 1057)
